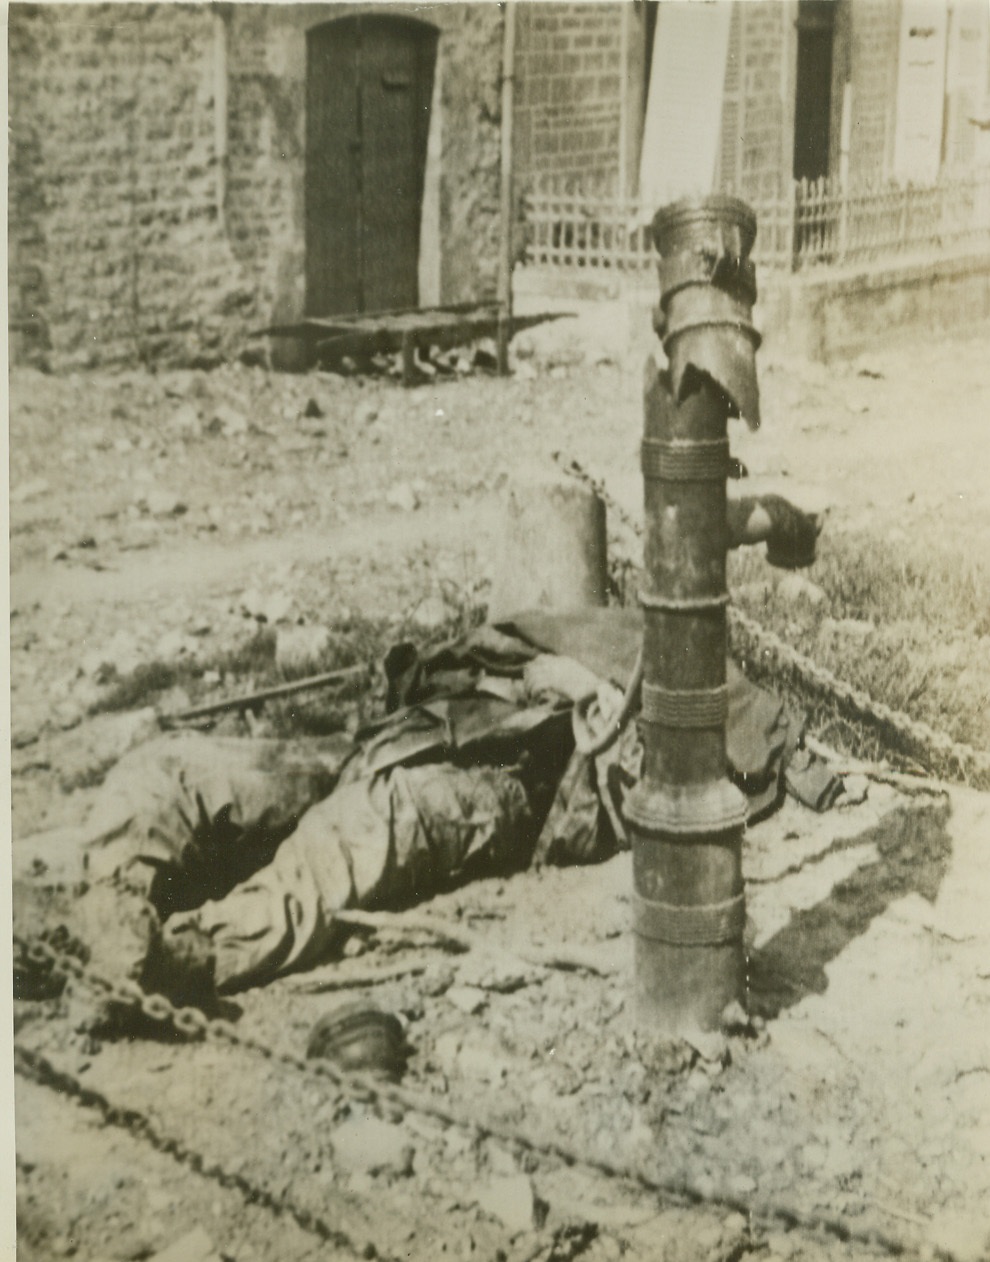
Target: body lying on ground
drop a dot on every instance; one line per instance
(235, 855)
(246, 849)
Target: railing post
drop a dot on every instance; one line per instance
(903, 217)
(795, 204)
(843, 195)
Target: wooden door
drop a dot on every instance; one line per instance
(369, 86)
(813, 94)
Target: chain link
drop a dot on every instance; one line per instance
(34, 1065)
(574, 469)
(937, 749)
(40, 957)
(192, 1024)
(388, 1101)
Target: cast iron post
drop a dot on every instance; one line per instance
(686, 818)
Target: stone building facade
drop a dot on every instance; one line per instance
(811, 88)
(583, 76)
(158, 166)
(162, 155)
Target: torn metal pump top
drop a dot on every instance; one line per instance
(707, 291)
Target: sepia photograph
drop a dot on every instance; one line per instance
(499, 631)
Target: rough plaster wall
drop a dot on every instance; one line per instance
(116, 181)
(471, 45)
(118, 246)
(26, 203)
(266, 142)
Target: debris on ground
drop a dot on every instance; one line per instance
(846, 1128)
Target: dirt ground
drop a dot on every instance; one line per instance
(163, 518)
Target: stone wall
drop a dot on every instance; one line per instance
(841, 315)
(133, 240)
(112, 215)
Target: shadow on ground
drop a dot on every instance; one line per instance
(914, 849)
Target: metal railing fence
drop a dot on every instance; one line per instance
(812, 223)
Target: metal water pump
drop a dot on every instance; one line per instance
(686, 819)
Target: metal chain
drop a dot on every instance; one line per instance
(574, 469)
(382, 1097)
(922, 740)
(920, 737)
(34, 1065)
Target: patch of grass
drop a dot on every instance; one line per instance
(869, 578)
(908, 625)
(251, 667)
(254, 656)
(144, 685)
(149, 682)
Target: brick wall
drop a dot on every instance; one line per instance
(569, 85)
(756, 124)
(873, 53)
(120, 250)
(766, 52)
(569, 90)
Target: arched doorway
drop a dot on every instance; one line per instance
(369, 82)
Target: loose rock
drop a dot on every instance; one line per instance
(469, 999)
(403, 497)
(268, 607)
(162, 503)
(228, 421)
(367, 1145)
(175, 644)
(431, 613)
(511, 1199)
(194, 1246)
(365, 413)
(186, 419)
